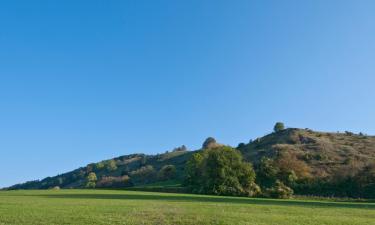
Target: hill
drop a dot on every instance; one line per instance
(124, 171)
(312, 163)
(324, 153)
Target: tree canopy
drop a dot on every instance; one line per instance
(221, 171)
(91, 180)
(279, 126)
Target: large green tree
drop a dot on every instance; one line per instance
(221, 171)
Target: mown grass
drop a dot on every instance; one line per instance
(134, 207)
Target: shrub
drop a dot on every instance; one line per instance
(279, 190)
(114, 182)
(167, 172)
(145, 174)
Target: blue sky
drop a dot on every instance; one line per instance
(82, 81)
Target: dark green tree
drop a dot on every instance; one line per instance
(110, 165)
(221, 171)
(279, 126)
(209, 142)
(267, 172)
(167, 172)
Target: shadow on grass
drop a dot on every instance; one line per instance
(212, 199)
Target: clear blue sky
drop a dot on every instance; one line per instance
(82, 81)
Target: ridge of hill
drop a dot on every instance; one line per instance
(124, 171)
(324, 152)
(316, 163)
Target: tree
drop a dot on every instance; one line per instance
(291, 168)
(143, 160)
(279, 126)
(180, 149)
(267, 172)
(210, 142)
(241, 145)
(167, 172)
(145, 174)
(91, 180)
(365, 180)
(99, 166)
(111, 165)
(220, 171)
(114, 182)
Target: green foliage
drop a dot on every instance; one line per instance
(91, 180)
(366, 181)
(110, 165)
(143, 160)
(221, 171)
(311, 163)
(279, 126)
(182, 148)
(267, 172)
(275, 175)
(145, 174)
(114, 182)
(99, 165)
(279, 190)
(167, 172)
(209, 143)
(241, 145)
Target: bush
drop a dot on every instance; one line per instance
(145, 174)
(114, 182)
(279, 190)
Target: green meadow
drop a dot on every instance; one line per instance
(134, 207)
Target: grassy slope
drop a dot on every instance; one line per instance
(323, 152)
(131, 207)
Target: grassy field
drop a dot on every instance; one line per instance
(133, 207)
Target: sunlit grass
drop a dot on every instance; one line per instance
(133, 207)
